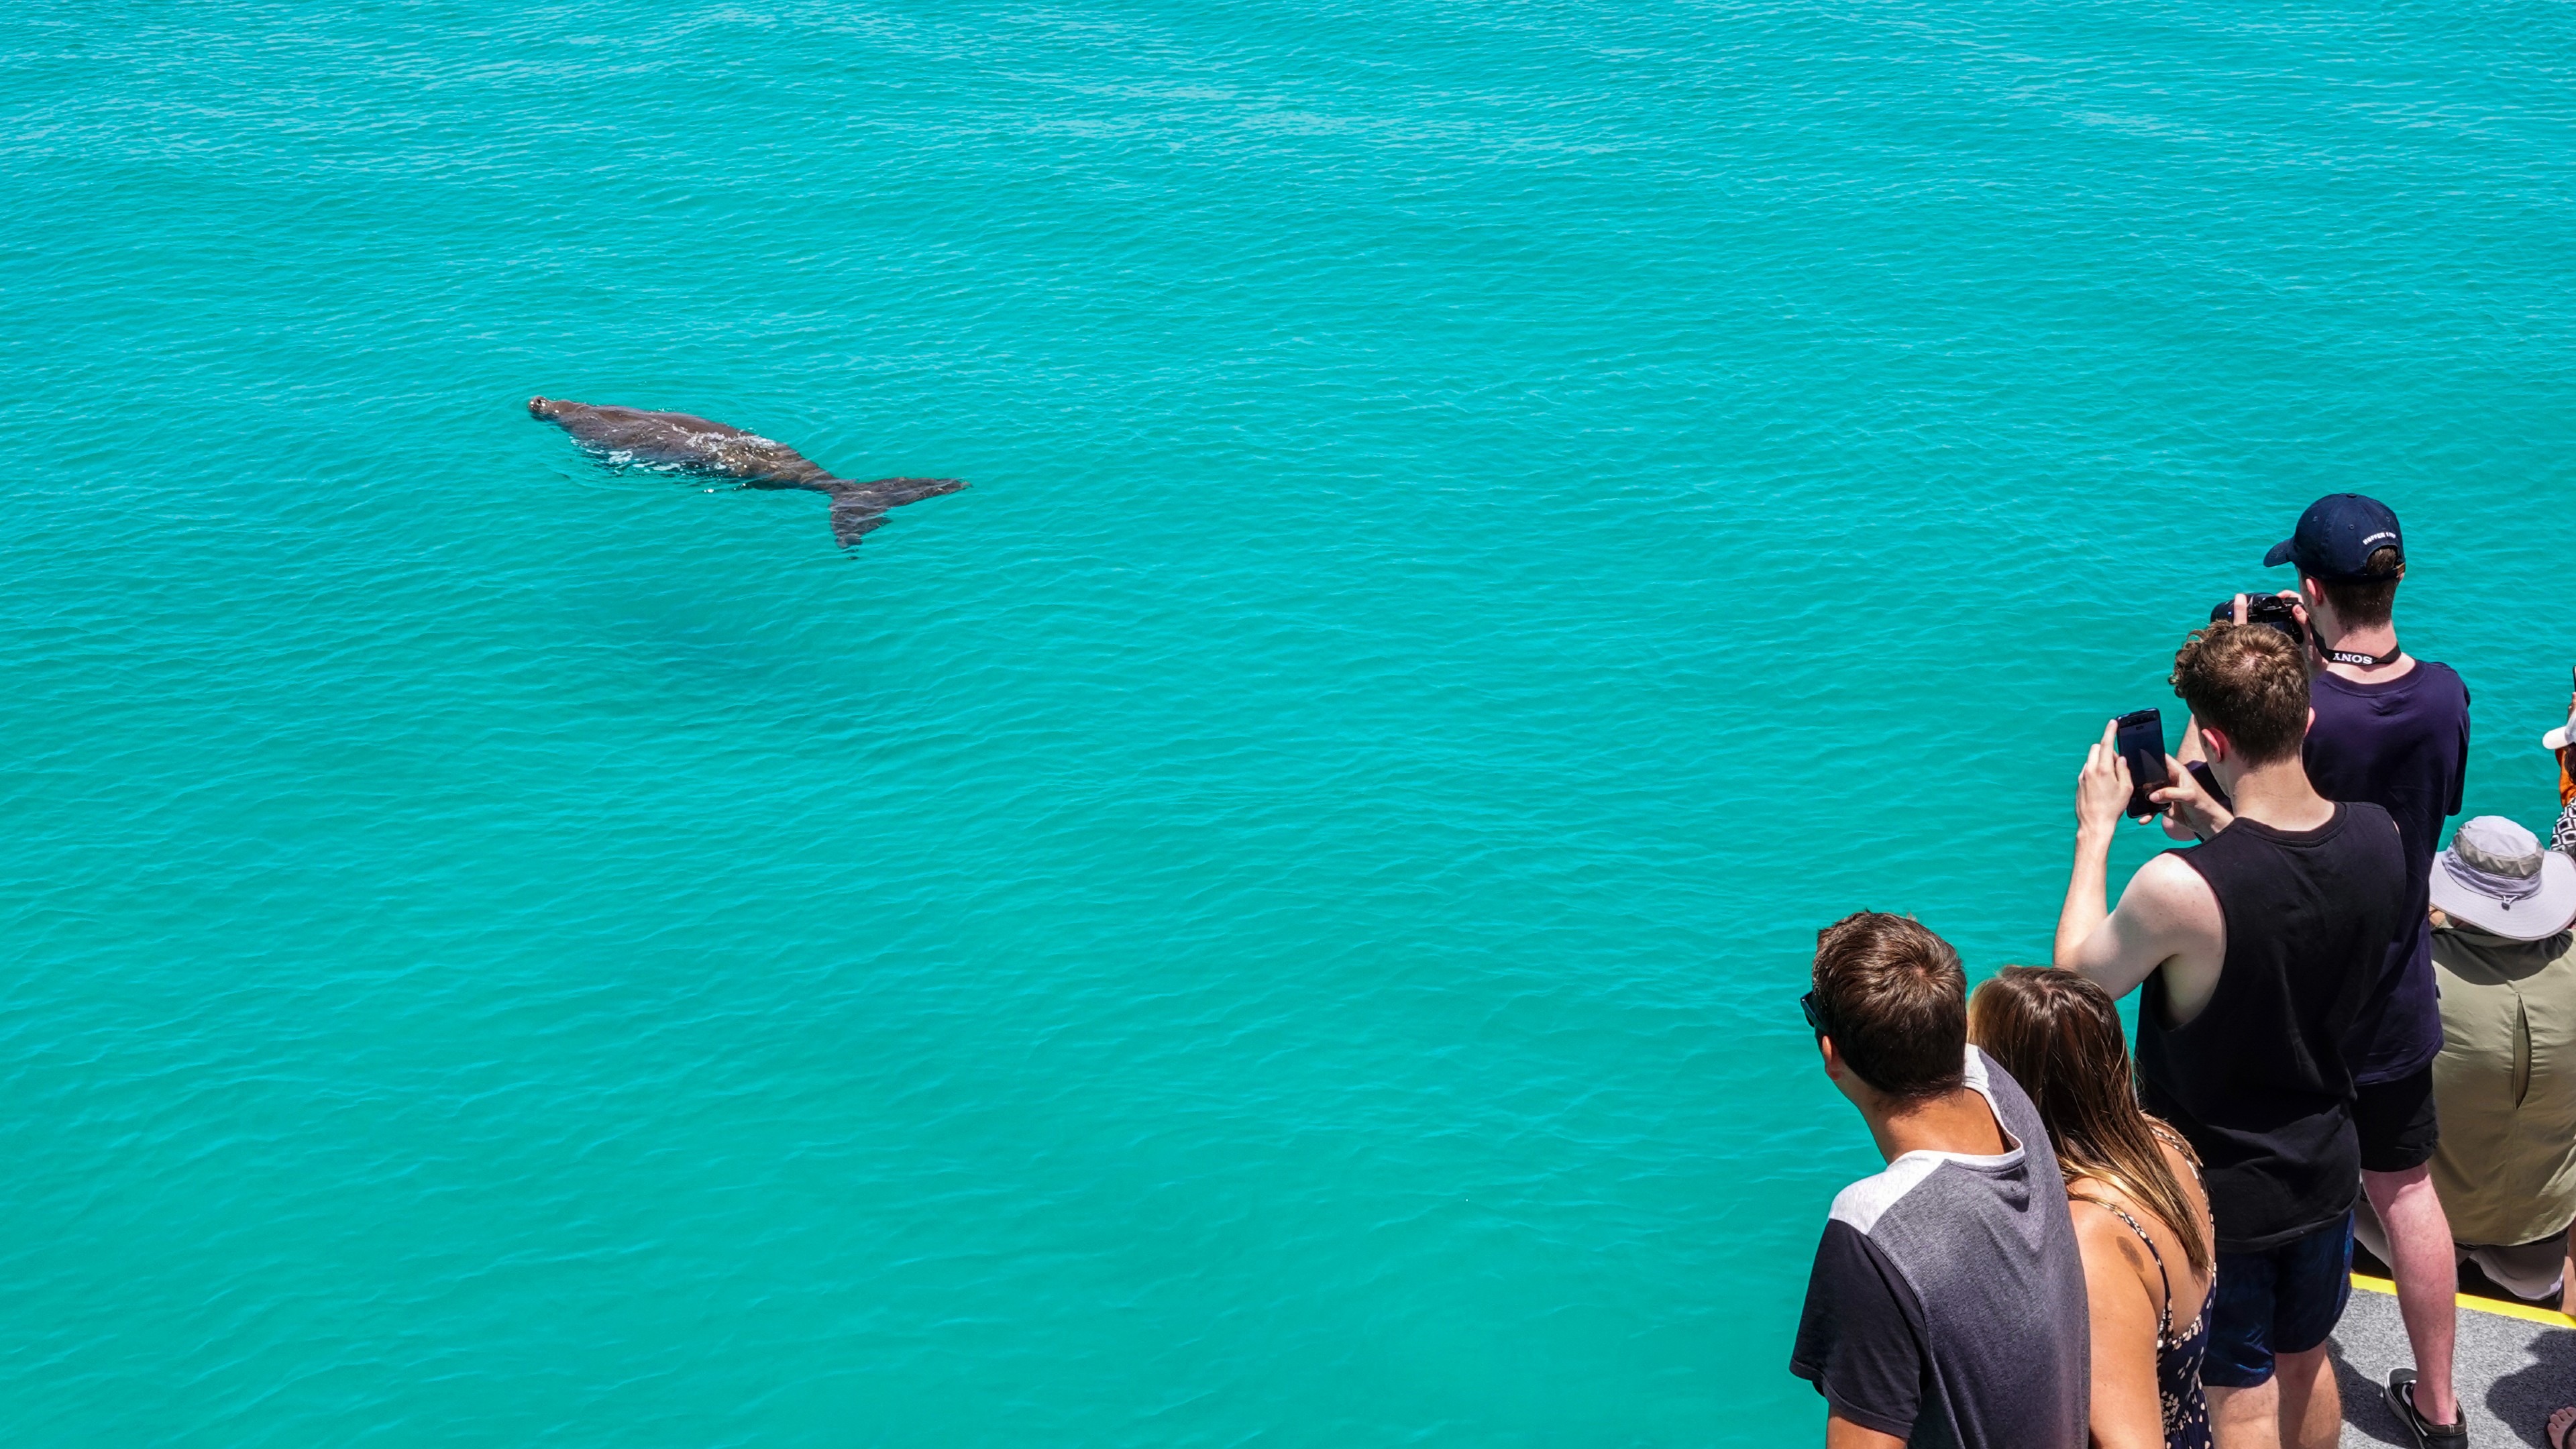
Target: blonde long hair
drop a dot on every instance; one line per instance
(2059, 1036)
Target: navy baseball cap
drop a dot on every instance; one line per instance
(2337, 536)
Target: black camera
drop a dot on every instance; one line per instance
(2270, 609)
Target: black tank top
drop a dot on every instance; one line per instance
(2257, 1083)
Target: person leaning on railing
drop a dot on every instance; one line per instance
(2252, 954)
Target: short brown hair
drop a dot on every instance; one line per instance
(1895, 1002)
(2248, 682)
(2366, 603)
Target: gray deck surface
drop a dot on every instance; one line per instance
(2511, 1373)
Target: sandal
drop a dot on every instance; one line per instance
(2428, 1435)
(2559, 1424)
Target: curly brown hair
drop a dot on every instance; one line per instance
(2248, 682)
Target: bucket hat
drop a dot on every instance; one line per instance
(2496, 877)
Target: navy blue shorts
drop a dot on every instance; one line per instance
(2280, 1300)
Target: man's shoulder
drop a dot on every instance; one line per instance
(2170, 885)
(2168, 868)
(2431, 689)
(1913, 1211)
(1863, 1204)
(2378, 828)
(2471, 965)
(2487, 960)
(1860, 1206)
(2443, 688)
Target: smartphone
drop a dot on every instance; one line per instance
(2141, 742)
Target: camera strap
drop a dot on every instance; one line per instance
(2365, 661)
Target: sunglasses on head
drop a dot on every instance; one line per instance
(1815, 1014)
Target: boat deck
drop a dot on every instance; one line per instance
(2514, 1364)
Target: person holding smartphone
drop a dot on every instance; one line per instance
(2253, 953)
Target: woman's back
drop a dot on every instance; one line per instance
(2150, 1312)
(2140, 1208)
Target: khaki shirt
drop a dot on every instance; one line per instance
(2505, 1086)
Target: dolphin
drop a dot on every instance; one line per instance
(677, 440)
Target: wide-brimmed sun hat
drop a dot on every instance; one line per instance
(2496, 877)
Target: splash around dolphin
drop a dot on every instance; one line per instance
(697, 445)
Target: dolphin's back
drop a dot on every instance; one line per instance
(684, 440)
(702, 445)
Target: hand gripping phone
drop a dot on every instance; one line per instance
(2140, 738)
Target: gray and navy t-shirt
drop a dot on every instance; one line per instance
(1947, 1302)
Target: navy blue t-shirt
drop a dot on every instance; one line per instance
(2402, 745)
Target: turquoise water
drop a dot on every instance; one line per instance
(1275, 917)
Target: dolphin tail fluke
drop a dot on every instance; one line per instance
(853, 520)
(858, 508)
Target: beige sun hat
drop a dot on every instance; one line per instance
(2496, 878)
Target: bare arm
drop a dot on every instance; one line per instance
(2101, 794)
(1842, 1433)
(2167, 911)
(2087, 889)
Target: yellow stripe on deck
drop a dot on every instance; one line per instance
(2523, 1311)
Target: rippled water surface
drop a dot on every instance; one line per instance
(1276, 916)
